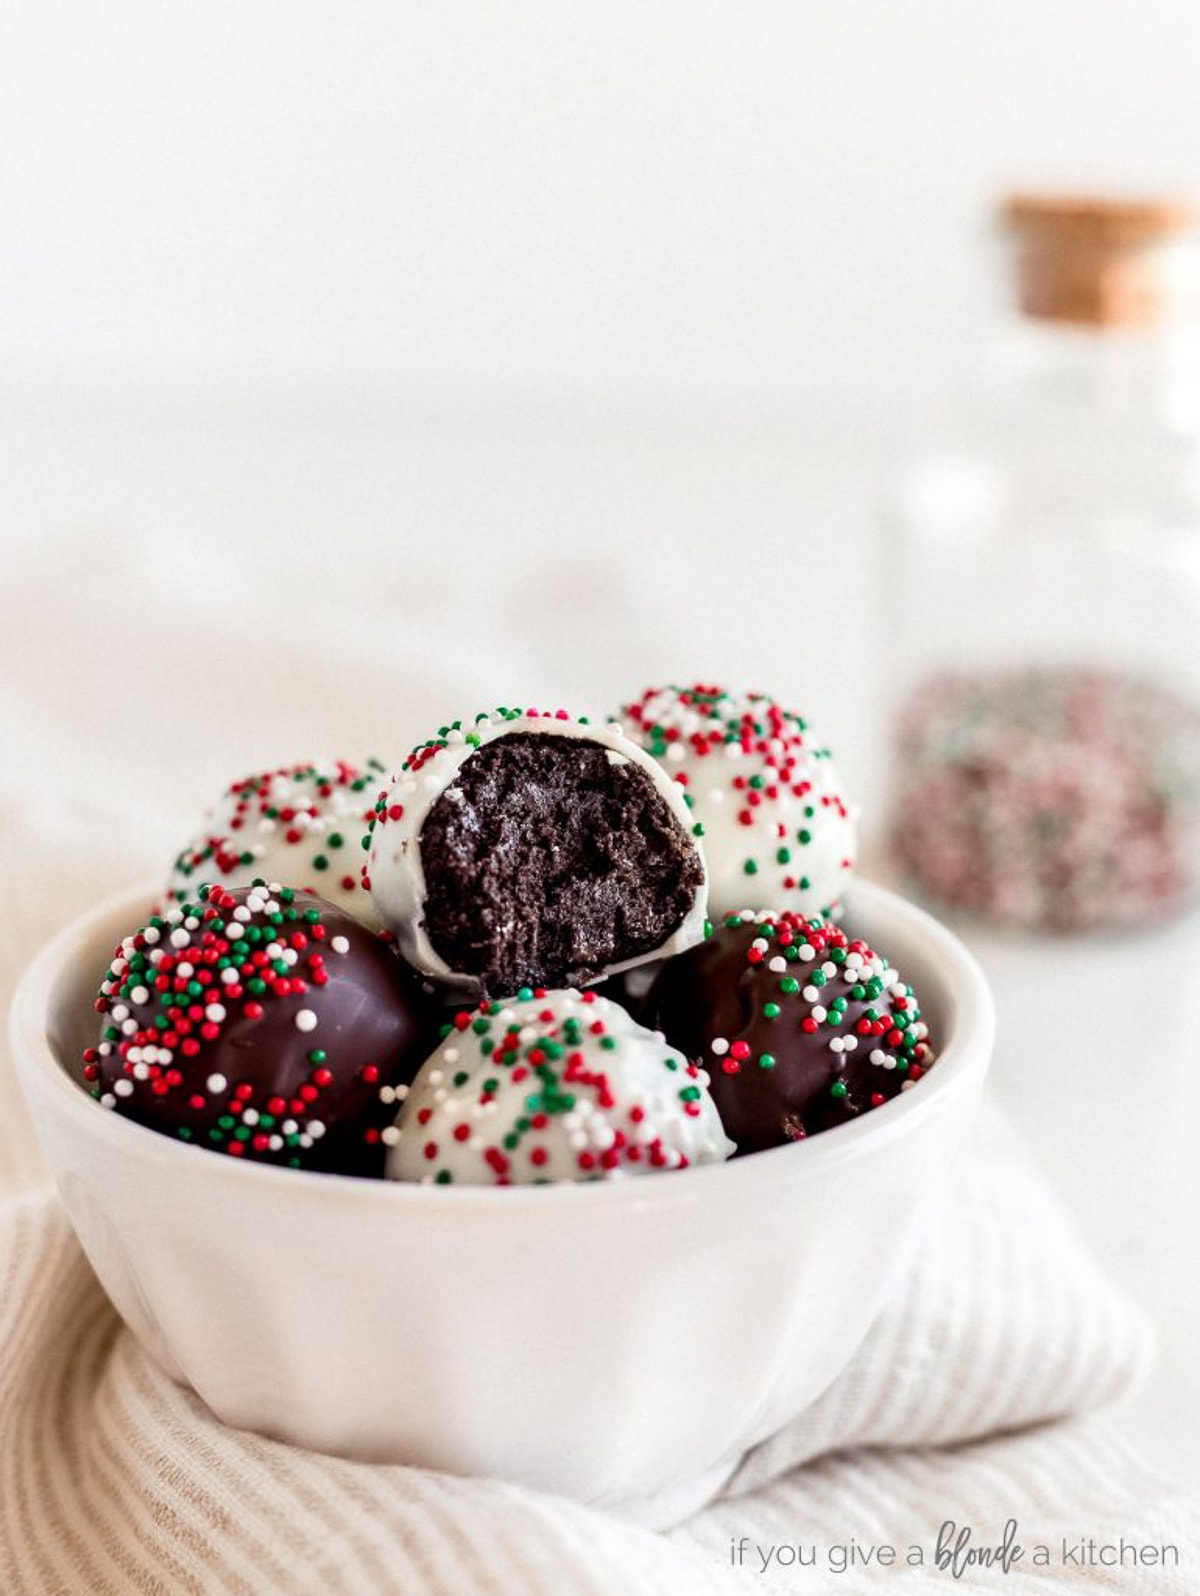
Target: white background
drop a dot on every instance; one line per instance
(568, 335)
(673, 198)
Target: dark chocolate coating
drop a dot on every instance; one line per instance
(546, 862)
(632, 990)
(364, 1024)
(789, 1083)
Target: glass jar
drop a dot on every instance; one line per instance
(1043, 592)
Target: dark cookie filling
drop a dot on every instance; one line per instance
(548, 860)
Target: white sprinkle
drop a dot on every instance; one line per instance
(141, 1072)
(179, 938)
(720, 1046)
(215, 1012)
(386, 1094)
(340, 944)
(316, 1129)
(451, 1055)
(777, 966)
(249, 1116)
(233, 932)
(140, 995)
(150, 934)
(400, 1093)
(390, 1136)
(835, 1044)
(216, 1083)
(108, 1100)
(306, 1020)
(243, 912)
(878, 1056)
(849, 1043)
(123, 1087)
(229, 976)
(820, 1013)
(121, 1012)
(185, 969)
(811, 994)
(807, 952)
(289, 1127)
(761, 944)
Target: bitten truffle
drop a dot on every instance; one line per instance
(527, 849)
(800, 1025)
(260, 1022)
(777, 829)
(298, 825)
(552, 1086)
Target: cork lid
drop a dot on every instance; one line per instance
(1091, 260)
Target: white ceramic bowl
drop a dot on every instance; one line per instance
(601, 1340)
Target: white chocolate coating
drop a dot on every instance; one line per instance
(395, 871)
(570, 1087)
(779, 832)
(300, 825)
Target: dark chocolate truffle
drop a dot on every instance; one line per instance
(532, 850)
(261, 1022)
(799, 1025)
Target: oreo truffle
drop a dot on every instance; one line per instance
(778, 829)
(800, 1025)
(552, 1086)
(297, 824)
(260, 1022)
(530, 849)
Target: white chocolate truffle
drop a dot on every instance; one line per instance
(778, 830)
(529, 848)
(553, 1086)
(299, 825)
